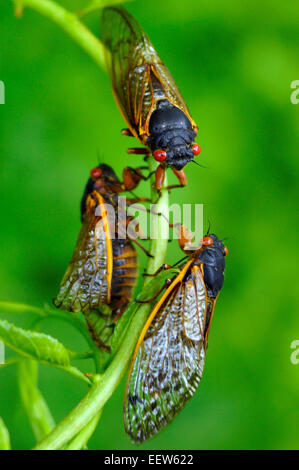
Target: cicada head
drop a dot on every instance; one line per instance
(102, 179)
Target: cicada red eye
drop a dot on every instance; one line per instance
(225, 251)
(160, 155)
(207, 241)
(95, 172)
(196, 149)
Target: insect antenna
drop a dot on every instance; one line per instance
(180, 261)
(133, 194)
(98, 155)
(209, 227)
(198, 164)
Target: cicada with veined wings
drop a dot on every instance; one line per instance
(147, 95)
(103, 269)
(168, 361)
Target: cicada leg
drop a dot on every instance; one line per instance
(162, 268)
(127, 132)
(160, 176)
(149, 211)
(133, 240)
(165, 285)
(139, 199)
(133, 176)
(181, 176)
(138, 151)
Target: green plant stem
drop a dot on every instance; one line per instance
(34, 403)
(100, 393)
(4, 436)
(80, 441)
(70, 23)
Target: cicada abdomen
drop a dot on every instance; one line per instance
(101, 322)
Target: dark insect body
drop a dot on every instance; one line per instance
(168, 361)
(147, 95)
(101, 276)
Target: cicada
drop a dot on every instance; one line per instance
(101, 276)
(147, 95)
(169, 358)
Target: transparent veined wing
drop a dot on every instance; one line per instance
(87, 281)
(139, 77)
(168, 363)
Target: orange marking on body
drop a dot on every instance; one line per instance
(108, 246)
(127, 265)
(213, 303)
(126, 254)
(139, 115)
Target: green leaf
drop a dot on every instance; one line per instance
(39, 346)
(4, 436)
(147, 293)
(17, 308)
(34, 345)
(34, 403)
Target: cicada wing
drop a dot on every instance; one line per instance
(86, 282)
(169, 362)
(139, 77)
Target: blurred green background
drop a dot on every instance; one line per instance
(234, 62)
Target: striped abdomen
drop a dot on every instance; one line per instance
(101, 323)
(124, 275)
